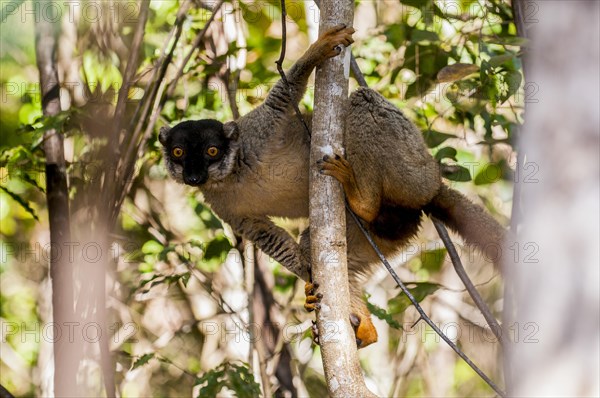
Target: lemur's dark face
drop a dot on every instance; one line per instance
(199, 151)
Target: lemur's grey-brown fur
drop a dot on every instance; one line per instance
(388, 175)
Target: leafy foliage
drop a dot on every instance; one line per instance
(21, 201)
(419, 290)
(382, 314)
(141, 361)
(233, 376)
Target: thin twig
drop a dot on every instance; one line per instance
(195, 45)
(462, 274)
(114, 185)
(4, 393)
(232, 82)
(360, 78)
(158, 105)
(422, 314)
(279, 64)
(256, 343)
(158, 71)
(132, 64)
(248, 260)
(141, 114)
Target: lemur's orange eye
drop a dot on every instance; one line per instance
(212, 151)
(177, 152)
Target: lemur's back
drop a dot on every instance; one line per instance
(386, 147)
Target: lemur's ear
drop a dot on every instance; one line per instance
(163, 133)
(231, 130)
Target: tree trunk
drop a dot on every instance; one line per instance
(328, 218)
(61, 270)
(553, 266)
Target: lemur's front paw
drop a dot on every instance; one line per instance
(312, 301)
(331, 41)
(337, 167)
(364, 330)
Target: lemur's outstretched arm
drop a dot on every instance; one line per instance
(278, 105)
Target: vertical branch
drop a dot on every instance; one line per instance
(519, 10)
(270, 342)
(561, 139)
(520, 20)
(57, 196)
(248, 263)
(328, 217)
(130, 69)
(256, 347)
(516, 214)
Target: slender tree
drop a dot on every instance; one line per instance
(553, 265)
(57, 195)
(328, 218)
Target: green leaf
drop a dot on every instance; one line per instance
(400, 303)
(284, 280)
(489, 174)
(185, 278)
(456, 173)
(513, 81)
(498, 60)
(446, 153)
(435, 138)
(418, 35)
(152, 247)
(143, 360)
(456, 72)
(30, 180)
(432, 260)
(242, 381)
(17, 157)
(206, 215)
(159, 279)
(425, 61)
(217, 248)
(507, 40)
(315, 383)
(418, 3)
(163, 255)
(394, 74)
(383, 315)
(235, 377)
(396, 34)
(24, 203)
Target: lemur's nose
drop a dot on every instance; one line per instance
(194, 180)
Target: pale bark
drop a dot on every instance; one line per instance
(328, 218)
(555, 277)
(57, 195)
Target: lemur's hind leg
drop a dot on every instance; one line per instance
(363, 201)
(360, 317)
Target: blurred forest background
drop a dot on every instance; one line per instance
(184, 315)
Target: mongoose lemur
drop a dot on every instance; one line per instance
(257, 167)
